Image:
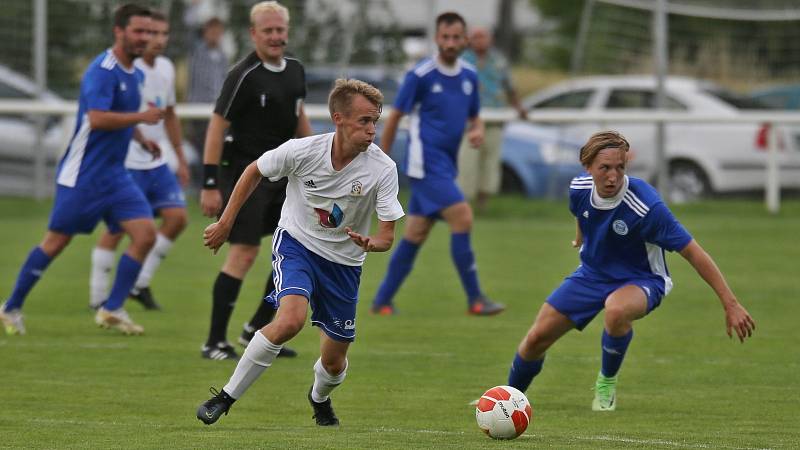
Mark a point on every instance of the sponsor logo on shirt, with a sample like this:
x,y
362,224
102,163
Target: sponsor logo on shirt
x,y
620,227
330,219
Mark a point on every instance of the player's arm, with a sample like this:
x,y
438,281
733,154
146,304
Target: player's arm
x,y
381,241
303,124
172,126
736,317
216,233
390,130
210,197
578,236
112,120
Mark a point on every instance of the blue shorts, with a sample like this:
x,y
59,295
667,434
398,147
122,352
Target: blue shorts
x,y
331,288
430,196
581,299
160,187
79,209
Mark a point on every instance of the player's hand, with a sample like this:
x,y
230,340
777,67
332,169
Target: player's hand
x,y
365,242
577,242
152,147
210,202
738,319
153,115
475,137
183,173
215,235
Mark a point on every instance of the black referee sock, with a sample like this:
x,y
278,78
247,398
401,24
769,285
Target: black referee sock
x,y
265,312
226,290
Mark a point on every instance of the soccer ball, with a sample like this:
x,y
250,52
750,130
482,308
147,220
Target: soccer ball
x,y
503,412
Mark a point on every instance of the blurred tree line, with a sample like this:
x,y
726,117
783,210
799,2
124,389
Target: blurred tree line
x,y
78,30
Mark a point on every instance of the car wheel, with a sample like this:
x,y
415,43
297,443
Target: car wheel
x,y
687,183
511,182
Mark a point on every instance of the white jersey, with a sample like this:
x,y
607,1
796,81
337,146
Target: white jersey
x,y
158,90
321,201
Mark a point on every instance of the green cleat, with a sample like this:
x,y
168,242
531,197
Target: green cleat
x,y
605,393
12,321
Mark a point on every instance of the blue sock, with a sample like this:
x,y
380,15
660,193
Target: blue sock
x,y
614,349
464,259
29,274
127,272
399,267
522,372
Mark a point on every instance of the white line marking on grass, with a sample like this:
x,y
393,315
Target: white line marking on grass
x,y
662,442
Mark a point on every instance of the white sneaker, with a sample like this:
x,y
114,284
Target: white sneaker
x,y
118,319
12,321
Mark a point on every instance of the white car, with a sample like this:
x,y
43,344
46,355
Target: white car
x,y
702,157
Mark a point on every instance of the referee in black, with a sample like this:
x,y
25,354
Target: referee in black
x,y
261,107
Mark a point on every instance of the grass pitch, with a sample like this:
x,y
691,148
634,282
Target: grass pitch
x,y
684,384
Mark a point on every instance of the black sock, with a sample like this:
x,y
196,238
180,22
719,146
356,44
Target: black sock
x,y
226,290
265,312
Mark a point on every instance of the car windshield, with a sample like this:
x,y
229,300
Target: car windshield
x,y
737,101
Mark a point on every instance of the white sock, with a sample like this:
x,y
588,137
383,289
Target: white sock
x,y
257,357
153,260
325,383
102,263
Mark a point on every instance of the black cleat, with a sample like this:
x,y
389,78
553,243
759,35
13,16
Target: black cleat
x,y
212,409
218,351
247,334
145,297
323,412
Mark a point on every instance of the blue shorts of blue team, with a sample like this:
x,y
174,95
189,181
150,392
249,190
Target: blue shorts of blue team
x,y
580,299
79,209
429,196
331,288
160,186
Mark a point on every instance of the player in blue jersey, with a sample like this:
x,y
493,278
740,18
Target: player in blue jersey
x,y
441,96
623,229
92,182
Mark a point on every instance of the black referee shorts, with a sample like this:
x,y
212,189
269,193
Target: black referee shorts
x,y
260,213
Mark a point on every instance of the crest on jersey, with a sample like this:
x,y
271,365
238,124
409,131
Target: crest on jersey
x,y
466,85
332,218
357,188
620,227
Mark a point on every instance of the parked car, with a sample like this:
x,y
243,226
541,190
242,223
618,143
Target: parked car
x,y
703,158
779,97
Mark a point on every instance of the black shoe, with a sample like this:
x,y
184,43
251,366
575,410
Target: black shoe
x,y
247,334
218,351
212,409
323,412
145,297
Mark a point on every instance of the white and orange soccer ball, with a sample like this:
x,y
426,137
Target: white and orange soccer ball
x,y
503,412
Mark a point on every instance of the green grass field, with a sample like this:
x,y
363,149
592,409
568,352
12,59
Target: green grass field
x,y
69,384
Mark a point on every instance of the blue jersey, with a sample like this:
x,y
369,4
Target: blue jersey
x,y
624,238
95,156
439,101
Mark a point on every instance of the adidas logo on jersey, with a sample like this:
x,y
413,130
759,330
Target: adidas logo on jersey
x,y
436,88
310,184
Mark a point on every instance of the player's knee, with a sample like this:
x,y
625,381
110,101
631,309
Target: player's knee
x,y
617,317
334,365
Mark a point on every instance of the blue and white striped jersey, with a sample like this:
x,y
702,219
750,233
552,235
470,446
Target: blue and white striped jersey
x,y
439,100
97,155
624,237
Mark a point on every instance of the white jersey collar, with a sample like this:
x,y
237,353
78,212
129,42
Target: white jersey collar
x,y
450,71
273,67
608,203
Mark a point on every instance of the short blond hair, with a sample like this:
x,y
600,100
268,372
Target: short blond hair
x,y
270,6
341,97
601,141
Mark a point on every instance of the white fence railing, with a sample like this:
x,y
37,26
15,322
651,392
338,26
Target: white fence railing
x,y
489,115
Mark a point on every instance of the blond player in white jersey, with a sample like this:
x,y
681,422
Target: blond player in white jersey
x,y
153,175
335,182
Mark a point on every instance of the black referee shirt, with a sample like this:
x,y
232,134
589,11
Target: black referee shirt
x,y
261,105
